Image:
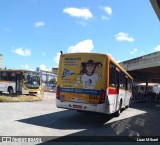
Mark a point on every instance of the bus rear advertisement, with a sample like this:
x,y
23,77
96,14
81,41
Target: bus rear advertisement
x,y
92,82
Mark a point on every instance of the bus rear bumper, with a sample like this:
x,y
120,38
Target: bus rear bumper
x,y
99,108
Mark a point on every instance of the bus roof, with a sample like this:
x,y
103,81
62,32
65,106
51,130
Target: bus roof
x,y
81,53
107,55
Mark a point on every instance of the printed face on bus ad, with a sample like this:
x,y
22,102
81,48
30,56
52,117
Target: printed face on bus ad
x,y
98,67
90,67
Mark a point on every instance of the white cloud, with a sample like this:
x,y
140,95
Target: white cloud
x,y
108,13
134,51
22,52
83,46
108,10
39,24
83,23
121,36
157,48
56,58
79,12
26,67
43,67
105,18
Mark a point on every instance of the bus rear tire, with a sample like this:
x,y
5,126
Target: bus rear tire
x,y
118,112
10,90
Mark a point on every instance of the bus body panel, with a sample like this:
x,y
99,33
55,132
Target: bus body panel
x,y
73,90
108,107
129,96
100,108
27,91
112,99
121,96
5,86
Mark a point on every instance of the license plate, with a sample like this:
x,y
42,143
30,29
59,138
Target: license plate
x,y
77,106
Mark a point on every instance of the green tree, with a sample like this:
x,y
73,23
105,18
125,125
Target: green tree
x,y
53,81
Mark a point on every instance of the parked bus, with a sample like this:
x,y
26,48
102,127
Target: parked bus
x,y
48,80
20,81
156,88
92,82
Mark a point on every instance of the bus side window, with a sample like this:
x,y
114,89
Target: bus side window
x,y
126,83
122,80
112,75
0,75
4,76
117,78
11,76
129,84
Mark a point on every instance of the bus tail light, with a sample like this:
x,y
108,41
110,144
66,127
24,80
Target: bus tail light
x,y
58,92
102,97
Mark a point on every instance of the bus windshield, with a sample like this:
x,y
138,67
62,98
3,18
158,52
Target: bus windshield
x,y
31,80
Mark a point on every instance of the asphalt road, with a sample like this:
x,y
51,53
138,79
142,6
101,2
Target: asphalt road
x,y
42,118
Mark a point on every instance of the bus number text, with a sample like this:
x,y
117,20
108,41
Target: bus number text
x,y
93,97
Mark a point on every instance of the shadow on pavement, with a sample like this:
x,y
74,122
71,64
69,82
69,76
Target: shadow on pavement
x,y
145,124
68,119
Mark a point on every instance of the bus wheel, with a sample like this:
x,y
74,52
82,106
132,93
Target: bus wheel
x,y
10,90
118,112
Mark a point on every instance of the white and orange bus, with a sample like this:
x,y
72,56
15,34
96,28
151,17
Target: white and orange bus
x,y
20,81
92,82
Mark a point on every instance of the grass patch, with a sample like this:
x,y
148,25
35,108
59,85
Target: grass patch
x,y
20,98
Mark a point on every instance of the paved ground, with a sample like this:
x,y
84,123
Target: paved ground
x,y
44,119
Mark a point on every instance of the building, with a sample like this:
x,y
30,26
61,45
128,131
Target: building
x,y
156,7
55,70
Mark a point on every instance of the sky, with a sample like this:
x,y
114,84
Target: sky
x,y
33,32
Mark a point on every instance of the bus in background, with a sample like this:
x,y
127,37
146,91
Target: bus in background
x,y
156,88
20,81
48,80
92,82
